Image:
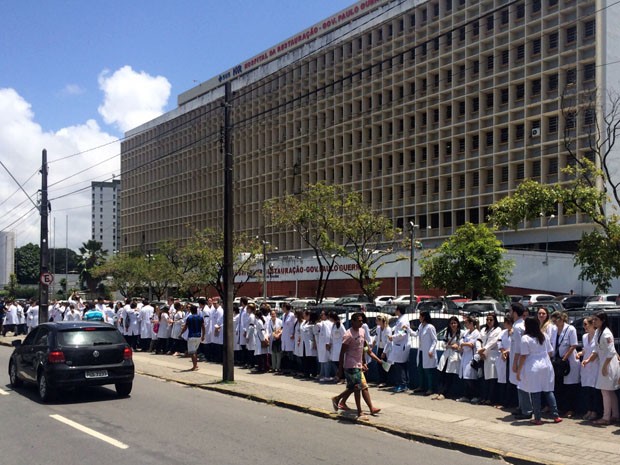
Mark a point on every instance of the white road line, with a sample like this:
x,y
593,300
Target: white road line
x,y
92,432
3,393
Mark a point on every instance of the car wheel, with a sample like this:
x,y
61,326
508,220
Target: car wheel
x,y
13,378
123,389
46,392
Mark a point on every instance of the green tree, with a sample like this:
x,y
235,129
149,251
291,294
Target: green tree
x,y
204,256
312,214
92,256
60,258
470,262
124,272
370,241
27,263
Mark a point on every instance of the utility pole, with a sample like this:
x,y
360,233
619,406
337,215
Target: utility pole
x,y
228,366
44,257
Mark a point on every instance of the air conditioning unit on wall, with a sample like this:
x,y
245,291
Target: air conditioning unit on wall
x,y
535,132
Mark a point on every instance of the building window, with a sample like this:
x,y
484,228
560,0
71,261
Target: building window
x,y
553,41
504,96
475,141
536,6
571,120
589,28
475,104
475,28
504,174
553,166
489,137
536,87
490,100
520,11
475,180
553,124
520,132
536,169
589,72
505,15
571,76
503,135
490,62
505,57
588,117
520,51
490,22
489,177
520,91
476,67
571,34
461,108
536,47
552,82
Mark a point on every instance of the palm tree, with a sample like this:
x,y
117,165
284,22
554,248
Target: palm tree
x,y
91,256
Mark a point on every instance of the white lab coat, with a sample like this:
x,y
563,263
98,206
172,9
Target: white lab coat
x,y
518,328
32,317
11,318
323,331
308,339
260,336
273,326
288,332
401,345
251,333
567,338
336,337
450,356
217,324
501,365
427,343
467,354
146,323
490,339
590,371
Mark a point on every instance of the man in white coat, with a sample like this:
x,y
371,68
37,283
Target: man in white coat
x,y
399,354
10,319
288,339
32,315
519,313
244,319
217,324
145,318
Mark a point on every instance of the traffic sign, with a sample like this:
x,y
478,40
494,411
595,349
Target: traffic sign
x,y
46,278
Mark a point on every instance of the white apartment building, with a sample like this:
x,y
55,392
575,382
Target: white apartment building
x,y
433,110
105,203
7,256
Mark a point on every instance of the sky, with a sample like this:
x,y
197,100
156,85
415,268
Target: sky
x,y
75,75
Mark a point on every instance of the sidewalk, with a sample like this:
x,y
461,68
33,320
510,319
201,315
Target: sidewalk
x,y
472,429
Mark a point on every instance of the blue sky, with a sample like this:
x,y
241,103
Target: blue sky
x,y
75,75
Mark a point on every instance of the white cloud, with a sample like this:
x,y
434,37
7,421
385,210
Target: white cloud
x,y
132,98
21,143
73,89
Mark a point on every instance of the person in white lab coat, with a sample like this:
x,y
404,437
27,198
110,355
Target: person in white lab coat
x,y
399,354
382,345
506,391
323,332
426,357
217,325
470,343
32,315
450,361
275,341
261,346
592,397
178,345
335,340
289,320
308,340
146,325
489,353
72,313
10,318
131,323
566,387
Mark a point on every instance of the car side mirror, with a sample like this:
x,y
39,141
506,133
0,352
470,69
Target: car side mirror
x,y
16,343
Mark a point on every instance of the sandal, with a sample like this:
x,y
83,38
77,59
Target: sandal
x,y
601,422
342,406
374,411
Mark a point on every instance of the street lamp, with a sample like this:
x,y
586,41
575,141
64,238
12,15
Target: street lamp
x,y
546,261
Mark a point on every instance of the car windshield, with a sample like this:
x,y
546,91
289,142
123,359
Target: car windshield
x,y
478,307
90,337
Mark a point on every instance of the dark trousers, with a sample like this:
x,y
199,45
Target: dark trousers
x,y
132,341
383,375
161,346
489,390
145,344
566,396
446,382
262,362
310,366
402,373
218,353
7,328
593,400
472,388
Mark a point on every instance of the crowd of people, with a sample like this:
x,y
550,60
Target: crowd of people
x,y
533,362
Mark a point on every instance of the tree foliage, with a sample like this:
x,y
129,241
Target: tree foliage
x,y
92,256
336,224
470,262
27,264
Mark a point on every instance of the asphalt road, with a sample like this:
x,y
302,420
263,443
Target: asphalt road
x,y
167,423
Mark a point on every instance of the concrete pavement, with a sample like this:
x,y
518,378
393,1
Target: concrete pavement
x,y
476,429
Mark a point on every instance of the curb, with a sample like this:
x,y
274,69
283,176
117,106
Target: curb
x,y
437,441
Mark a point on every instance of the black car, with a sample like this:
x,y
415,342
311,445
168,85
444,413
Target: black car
x,y
571,302
72,354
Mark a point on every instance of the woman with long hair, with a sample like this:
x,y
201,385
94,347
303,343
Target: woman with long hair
x,y
609,368
426,358
382,344
470,343
566,387
275,341
489,353
308,340
335,340
535,374
450,361
589,372
261,345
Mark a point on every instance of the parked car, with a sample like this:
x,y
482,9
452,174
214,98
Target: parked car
x,y
601,301
303,303
436,306
531,298
482,307
381,300
550,305
65,355
345,299
572,301
613,320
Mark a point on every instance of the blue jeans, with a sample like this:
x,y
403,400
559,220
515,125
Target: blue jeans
x,y
525,402
550,398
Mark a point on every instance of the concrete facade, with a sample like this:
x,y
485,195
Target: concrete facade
x,y
105,207
432,110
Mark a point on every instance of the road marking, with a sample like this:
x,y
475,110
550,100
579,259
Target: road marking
x,y
3,393
92,432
